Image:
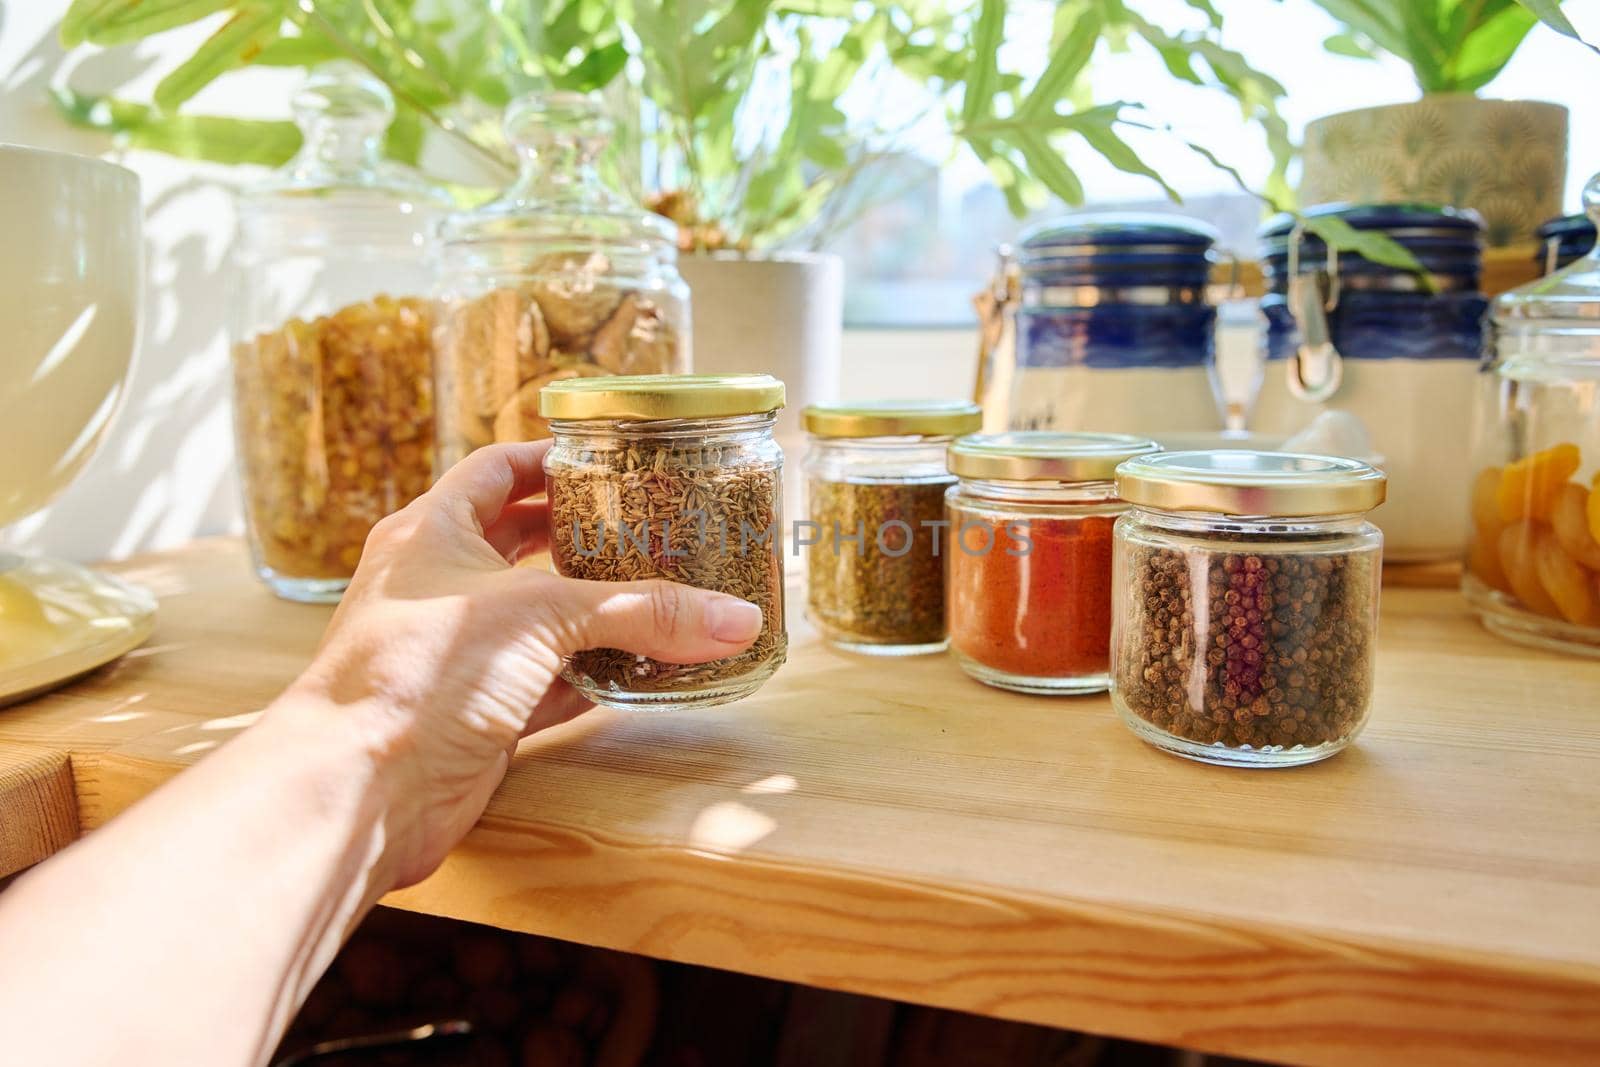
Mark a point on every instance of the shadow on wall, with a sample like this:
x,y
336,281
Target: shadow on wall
x,y
165,473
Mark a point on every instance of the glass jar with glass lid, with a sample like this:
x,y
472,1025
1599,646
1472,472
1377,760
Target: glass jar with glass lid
x,y
1029,598
332,354
1533,566
875,482
1244,625
674,477
561,277
1114,310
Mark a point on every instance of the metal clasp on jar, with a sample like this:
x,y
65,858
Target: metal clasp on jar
x,y
1316,369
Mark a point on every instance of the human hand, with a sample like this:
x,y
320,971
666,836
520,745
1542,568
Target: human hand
x,y
442,655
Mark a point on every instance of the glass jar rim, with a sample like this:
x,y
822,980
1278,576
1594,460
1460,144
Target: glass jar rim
x,y
651,397
1045,456
893,418
1252,483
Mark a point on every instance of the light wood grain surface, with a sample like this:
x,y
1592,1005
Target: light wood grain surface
x,y
1430,896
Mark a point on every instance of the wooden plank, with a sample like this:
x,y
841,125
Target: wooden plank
x,y
38,810
1432,895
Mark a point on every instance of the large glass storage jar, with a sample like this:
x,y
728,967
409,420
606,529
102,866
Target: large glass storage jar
x,y
1400,352
1245,619
561,277
1533,568
332,354
1114,331
1029,597
875,480
675,477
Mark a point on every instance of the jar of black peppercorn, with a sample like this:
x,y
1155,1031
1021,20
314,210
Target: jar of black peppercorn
x,y
1245,603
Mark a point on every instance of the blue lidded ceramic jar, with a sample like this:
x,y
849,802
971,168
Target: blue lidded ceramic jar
x,y
1113,313
1347,334
1564,240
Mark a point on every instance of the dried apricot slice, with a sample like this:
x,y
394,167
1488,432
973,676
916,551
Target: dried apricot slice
x,y
1569,519
1483,561
1592,509
1486,503
1565,580
1528,487
1517,550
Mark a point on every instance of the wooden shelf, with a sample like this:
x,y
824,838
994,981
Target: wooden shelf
x,y
893,828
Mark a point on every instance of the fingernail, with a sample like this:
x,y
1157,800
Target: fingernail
x,y
733,620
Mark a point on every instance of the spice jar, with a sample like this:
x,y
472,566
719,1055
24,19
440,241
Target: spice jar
x,y
675,477
1398,351
1113,309
561,277
332,359
1533,567
1246,609
1029,599
875,483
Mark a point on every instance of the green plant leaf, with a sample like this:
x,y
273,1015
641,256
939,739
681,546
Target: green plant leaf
x,y
983,73
1104,140
206,137
1549,12
1209,10
404,137
1348,44
1067,62
1484,47
235,42
1368,244
121,21
301,50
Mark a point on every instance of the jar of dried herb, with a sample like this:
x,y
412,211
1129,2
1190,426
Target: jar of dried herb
x,y
675,477
1245,618
875,484
333,346
1029,596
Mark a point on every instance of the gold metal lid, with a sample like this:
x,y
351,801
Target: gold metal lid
x,y
1246,482
1036,456
640,397
894,418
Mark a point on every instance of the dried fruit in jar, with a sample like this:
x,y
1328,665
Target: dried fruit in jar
x,y
575,294
1518,547
1570,521
334,420
519,419
1483,561
1569,585
1529,486
1486,503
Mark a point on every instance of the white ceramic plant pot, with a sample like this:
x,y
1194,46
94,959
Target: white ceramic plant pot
x,y
1505,159
779,314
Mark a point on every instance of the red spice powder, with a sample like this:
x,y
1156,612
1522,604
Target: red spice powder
x,y
1045,612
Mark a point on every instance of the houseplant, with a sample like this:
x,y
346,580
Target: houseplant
x,y
1506,159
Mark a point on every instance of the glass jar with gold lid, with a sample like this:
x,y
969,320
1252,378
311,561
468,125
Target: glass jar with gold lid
x,y
674,477
875,483
1029,591
1244,623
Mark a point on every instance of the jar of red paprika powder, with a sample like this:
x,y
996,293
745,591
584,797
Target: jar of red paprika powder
x,y
1029,571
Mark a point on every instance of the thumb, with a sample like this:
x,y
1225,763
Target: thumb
x,y
664,620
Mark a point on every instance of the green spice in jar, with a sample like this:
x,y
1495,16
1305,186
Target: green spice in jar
x,y
876,572
876,480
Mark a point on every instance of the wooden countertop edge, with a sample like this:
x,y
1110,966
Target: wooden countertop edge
x,y
1197,982
38,805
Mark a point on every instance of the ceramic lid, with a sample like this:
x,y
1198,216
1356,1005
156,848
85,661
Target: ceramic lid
x,y
1447,241
1114,231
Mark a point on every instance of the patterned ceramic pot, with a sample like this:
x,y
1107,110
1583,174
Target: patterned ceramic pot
x,y
1505,159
